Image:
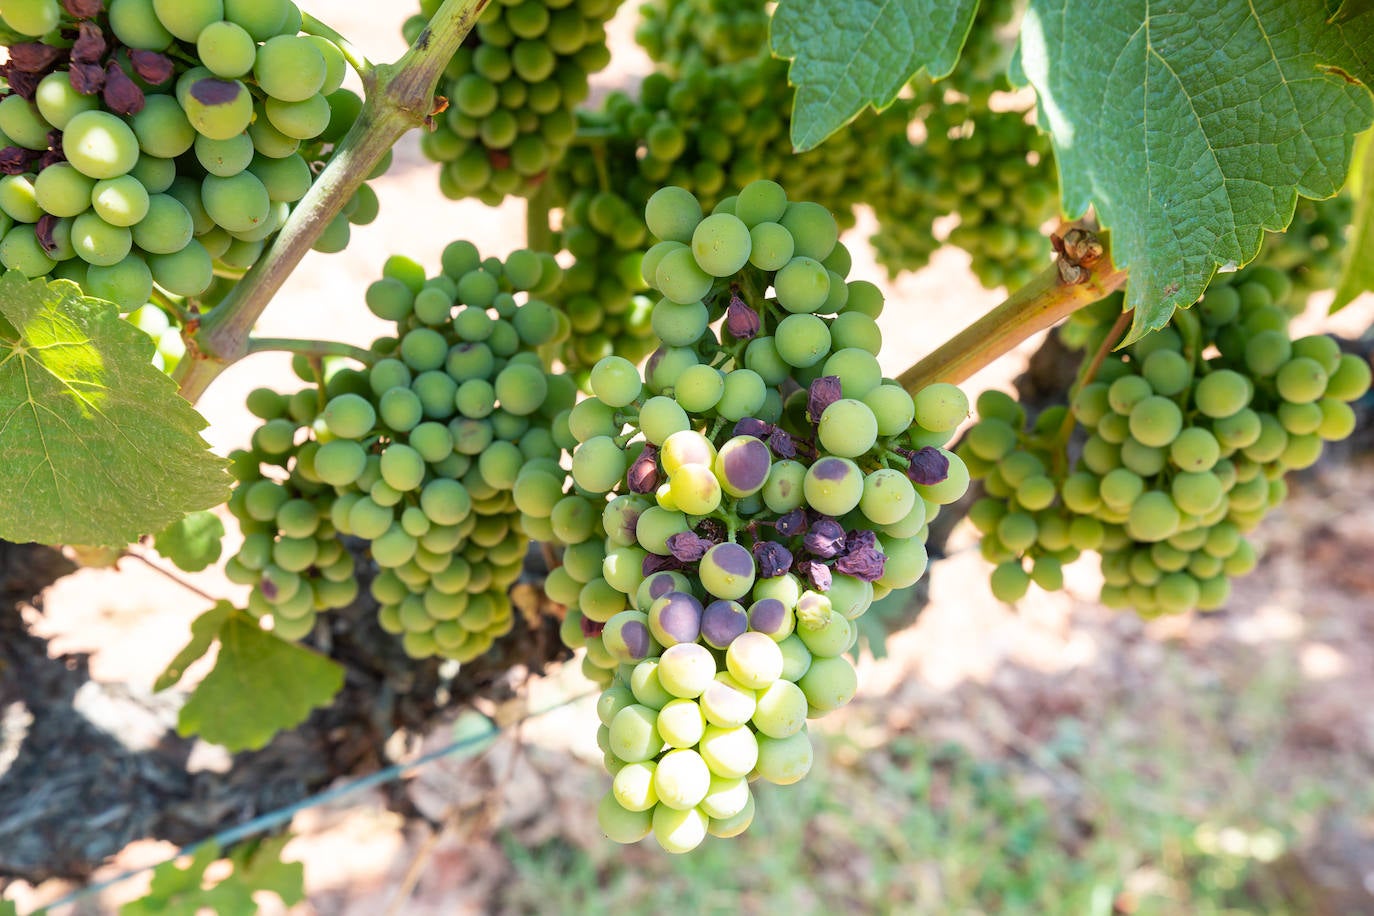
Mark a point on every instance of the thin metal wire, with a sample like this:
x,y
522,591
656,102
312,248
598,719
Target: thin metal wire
x,y
265,822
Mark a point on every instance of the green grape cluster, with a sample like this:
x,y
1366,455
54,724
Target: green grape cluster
x,y
512,88
991,168
678,34
601,288
1312,250
165,143
416,455
1189,433
710,130
735,508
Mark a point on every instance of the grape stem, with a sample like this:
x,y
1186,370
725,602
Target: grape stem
x,y
400,96
538,233
313,348
1083,275
1085,376
312,26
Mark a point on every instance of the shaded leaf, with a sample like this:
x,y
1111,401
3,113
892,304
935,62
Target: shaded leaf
x,y
204,631
260,867
1191,127
171,884
257,866
847,54
260,685
192,542
1358,275
96,446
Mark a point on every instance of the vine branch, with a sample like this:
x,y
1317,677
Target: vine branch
x,y
1083,275
315,348
399,96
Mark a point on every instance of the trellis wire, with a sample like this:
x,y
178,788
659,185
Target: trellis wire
x,y
271,819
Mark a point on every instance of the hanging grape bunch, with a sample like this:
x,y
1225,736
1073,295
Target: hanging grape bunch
x,y
1190,432
512,88
154,144
736,508
416,455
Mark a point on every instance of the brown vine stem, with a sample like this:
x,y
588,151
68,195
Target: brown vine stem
x,y
1083,275
400,96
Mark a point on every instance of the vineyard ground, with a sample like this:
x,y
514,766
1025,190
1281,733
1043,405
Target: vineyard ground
x,y
1139,738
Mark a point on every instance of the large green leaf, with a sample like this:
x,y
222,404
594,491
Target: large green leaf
x,y
847,54
1358,275
204,631
1192,126
260,685
96,446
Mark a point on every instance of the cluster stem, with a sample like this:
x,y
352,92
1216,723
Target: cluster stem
x,y
399,97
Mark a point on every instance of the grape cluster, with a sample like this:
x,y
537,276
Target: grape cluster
x,y
736,508
512,88
157,143
416,454
678,34
991,168
601,288
1312,250
1189,433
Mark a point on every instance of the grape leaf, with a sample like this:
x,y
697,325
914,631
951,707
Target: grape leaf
x,y
256,867
260,866
204,630
1358,275
850,53
260,685
1349,9
1192,126
8,908
171,885
96,446
193,541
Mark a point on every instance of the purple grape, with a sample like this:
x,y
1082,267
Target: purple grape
x,y
791,523
727,571
928,466
642,477
741,321
825,539
823,392
781,443
771,617
814,572
752,427
688,546
626,636
742,465
772,558
658,584
722,621
866,563
675,618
